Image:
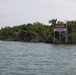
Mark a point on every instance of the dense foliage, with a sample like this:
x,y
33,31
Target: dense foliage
x,y
71,31
25,32
37,32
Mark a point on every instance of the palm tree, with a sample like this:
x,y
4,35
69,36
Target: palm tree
x,y
53,21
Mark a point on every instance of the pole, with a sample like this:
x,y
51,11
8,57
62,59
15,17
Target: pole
x,y
66,37
66,31
66,34
60,37
54,37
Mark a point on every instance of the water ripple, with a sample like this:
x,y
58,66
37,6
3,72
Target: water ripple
x,y
17,58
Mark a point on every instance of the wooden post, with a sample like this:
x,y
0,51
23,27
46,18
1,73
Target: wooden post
x,y
66,37
66,34
54,37
60,37
66,31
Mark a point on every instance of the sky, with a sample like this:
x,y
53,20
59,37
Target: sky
x,y
17,12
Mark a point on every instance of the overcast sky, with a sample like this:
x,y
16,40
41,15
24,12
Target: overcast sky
x,y
16,12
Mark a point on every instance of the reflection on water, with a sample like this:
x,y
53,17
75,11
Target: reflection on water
x,y
18,58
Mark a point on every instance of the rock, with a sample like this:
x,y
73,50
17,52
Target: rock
x,y
50,40
37,39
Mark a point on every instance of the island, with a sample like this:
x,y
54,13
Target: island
x,y
39,32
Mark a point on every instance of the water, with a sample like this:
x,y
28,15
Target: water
x,y
20,58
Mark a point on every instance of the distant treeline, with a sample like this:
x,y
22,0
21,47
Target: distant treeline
x,y
37,32
26,32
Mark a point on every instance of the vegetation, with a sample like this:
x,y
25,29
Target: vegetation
x,y
25,32
38,32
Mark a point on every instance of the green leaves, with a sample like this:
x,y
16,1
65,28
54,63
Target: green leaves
x,y
26,32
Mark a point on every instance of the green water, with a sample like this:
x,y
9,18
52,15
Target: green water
x,y
20,58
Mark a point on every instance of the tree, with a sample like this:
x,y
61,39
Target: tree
x,y
53,21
